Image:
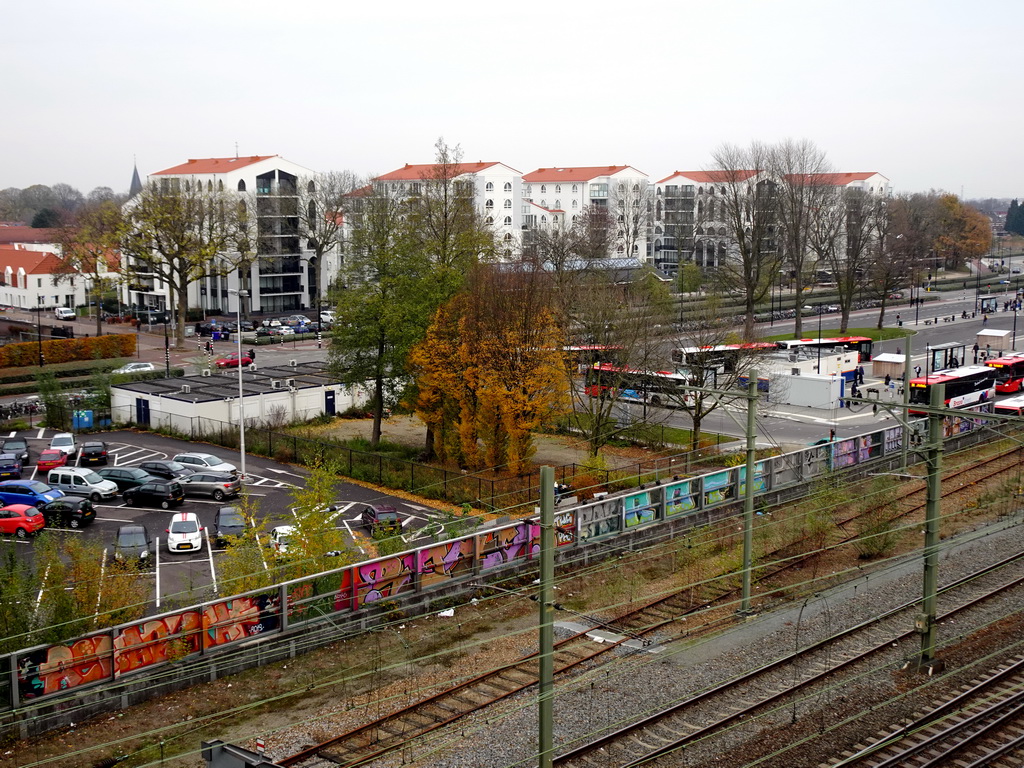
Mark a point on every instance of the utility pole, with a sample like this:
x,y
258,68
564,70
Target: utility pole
x,y
546,708
748,498
906,405
925,623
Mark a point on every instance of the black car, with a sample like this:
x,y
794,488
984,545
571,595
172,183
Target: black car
x,y
263,331
382,517
125,477
18,446
228,522
165,469
93,452
161,493
132,544
69,512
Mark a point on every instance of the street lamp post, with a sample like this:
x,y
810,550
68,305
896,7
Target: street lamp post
x,y
39,328
241,294
819,338
167,349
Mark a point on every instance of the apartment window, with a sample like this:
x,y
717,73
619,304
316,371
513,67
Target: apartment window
x,y
575,188
529,189
543,189
489,204
508,237
508,221
558,189
508,204
241,185
39,282
575,203
543,203
543,220
558,205
489,187
508,186
489,220
636,189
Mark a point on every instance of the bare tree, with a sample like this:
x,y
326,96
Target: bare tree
x,y
801,170
631,207
749,201
88,244
322,217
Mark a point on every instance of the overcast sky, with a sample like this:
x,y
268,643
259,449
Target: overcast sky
x,y
925,92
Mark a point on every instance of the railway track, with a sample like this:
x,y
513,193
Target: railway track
x,y
394,731
699,718
983,726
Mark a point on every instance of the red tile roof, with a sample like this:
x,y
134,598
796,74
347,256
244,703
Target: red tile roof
x,y
33,262
212,165
23,234
573,174
427,171
832,179
714,177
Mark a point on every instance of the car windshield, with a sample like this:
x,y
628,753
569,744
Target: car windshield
x,y
62,441
133,538
173,466
231,518
137,473
92,477
184,526
38,487
15,444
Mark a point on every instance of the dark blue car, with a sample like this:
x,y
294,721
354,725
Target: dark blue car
x,y
31,492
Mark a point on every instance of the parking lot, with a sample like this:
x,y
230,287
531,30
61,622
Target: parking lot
x,y
186,577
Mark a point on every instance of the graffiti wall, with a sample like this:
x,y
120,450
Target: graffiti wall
x,y
598,520
239,618
63,667
446,561
506,545
320,595
760,479
565,528
639,509
154,641
384,579
679,499
718,487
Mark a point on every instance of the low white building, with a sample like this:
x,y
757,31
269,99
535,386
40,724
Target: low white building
x,y
30,278
197,405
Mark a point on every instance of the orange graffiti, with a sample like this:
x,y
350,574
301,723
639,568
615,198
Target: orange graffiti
x,y
85,661
144,644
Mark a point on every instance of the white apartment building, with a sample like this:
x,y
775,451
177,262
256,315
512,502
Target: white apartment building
x,y
30,277
281,278
620,189
496,189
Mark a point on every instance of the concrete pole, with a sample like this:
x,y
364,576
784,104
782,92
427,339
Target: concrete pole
x,y
906,405
546,708
926,620
748,498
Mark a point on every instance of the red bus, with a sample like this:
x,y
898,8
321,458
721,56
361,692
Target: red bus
x,y
965,386
862,345
1009,373
1011,405
654,387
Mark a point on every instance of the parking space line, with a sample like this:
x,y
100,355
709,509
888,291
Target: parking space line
x,y
213,568
114,520
42,433
261,481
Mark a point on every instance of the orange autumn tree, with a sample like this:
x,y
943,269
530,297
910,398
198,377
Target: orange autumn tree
x,y
489,372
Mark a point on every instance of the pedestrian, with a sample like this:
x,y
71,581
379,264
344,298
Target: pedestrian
x,y
954,363
984,320
976,348
917,371
898,321
988,351
888,379
860,374
854,392
899,350
252,355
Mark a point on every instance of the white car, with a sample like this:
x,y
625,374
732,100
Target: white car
x,y
279,538
185,533
204,461
65,443
135,368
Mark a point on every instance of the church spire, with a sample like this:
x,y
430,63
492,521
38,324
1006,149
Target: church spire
x,y
136,185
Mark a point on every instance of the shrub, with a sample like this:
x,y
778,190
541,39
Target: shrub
x,y
67,350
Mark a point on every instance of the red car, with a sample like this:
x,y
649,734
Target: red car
x,y
20,520
51,458
231,361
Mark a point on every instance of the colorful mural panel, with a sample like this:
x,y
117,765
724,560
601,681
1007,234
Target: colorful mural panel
x,y
445,561
151,642
565,528
239,618
384,579
718,487
760,481
679,499
638,509
63,667
506,545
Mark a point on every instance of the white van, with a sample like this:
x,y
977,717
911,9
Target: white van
x,y
81,482
64,313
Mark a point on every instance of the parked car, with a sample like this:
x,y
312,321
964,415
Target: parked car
x,y
327,316
198,461
135,368
65,441
228,522
10,465
284,330
31,492
93,452
68,512
19,447
231,361
20,520
165,469
132,544
125,477
293,320
51,458
263,331
272,322
218,485
79,481
185,534
382,517
162,493
280,538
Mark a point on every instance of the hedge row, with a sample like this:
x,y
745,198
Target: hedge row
x,y
62,370
66,350
83,382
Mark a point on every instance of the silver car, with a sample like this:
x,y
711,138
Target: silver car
x,y
217,485
204,461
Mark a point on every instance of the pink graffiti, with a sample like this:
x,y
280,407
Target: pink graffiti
x,y
384,579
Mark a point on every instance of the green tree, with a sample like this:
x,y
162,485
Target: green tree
x,y
46,218
385,302
1015,218
88,245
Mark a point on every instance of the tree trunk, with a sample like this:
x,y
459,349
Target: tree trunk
x,y
99,314
182,316
378,409
844,321
798,285
749,327
881,315
695,432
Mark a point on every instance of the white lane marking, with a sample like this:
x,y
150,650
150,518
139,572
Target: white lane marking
x,y
42,432
13,434
418,509
261,481
114,520
209,550
283,472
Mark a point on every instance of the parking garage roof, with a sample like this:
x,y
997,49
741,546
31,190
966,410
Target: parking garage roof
x,y
223,384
